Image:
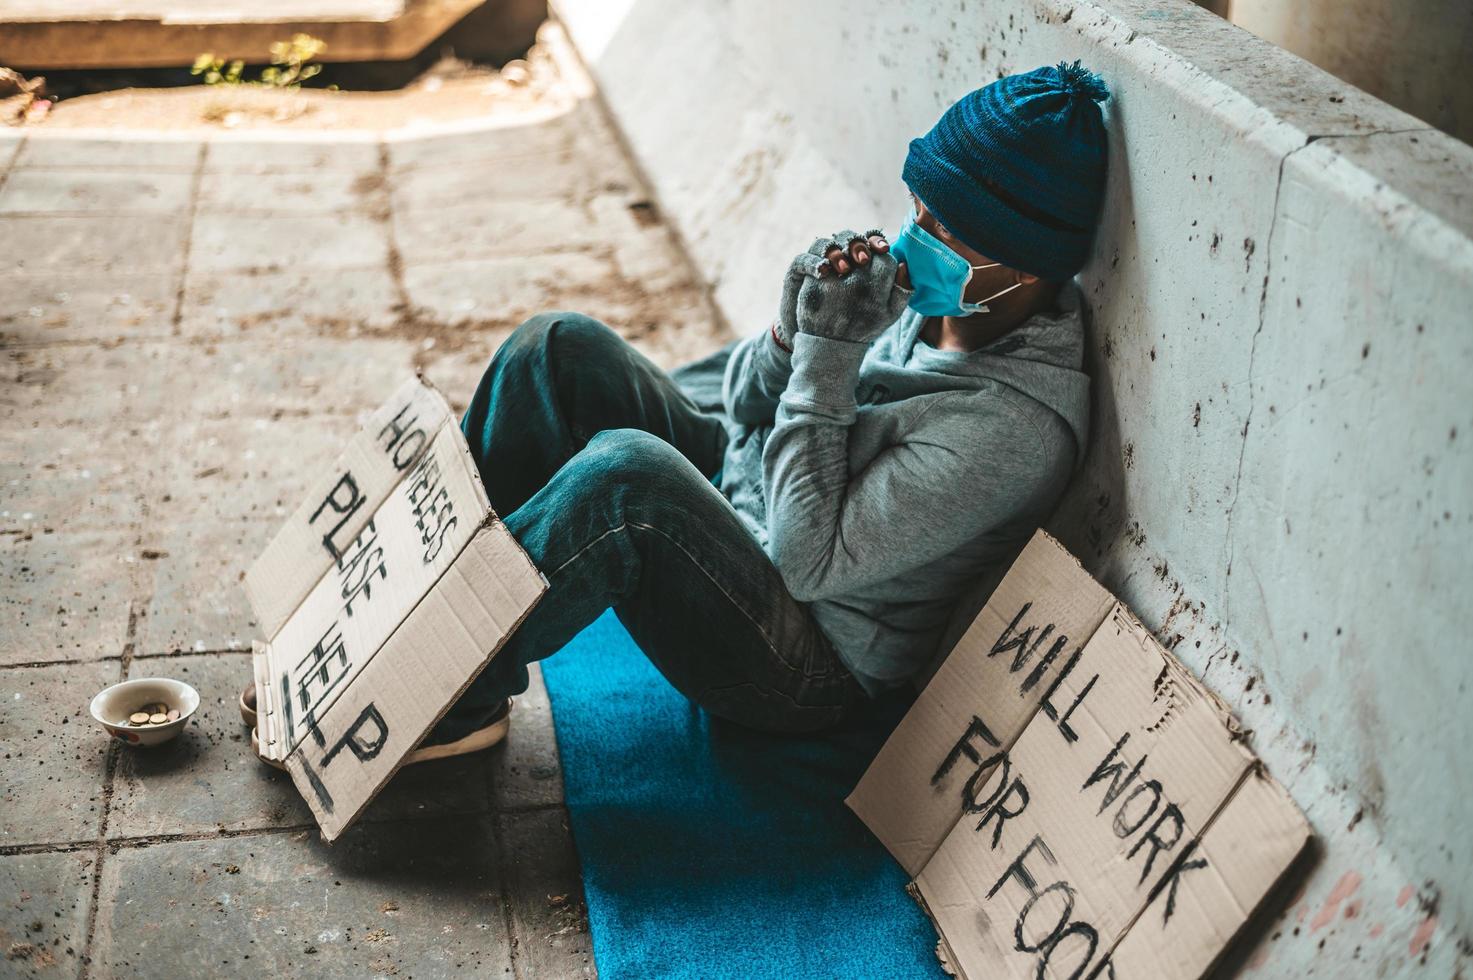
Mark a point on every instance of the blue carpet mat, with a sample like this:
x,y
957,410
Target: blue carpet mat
x,y
710,850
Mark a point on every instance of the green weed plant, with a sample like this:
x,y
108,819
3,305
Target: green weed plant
x,y
288,70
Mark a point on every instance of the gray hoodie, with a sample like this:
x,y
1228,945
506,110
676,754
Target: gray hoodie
x,y
884,479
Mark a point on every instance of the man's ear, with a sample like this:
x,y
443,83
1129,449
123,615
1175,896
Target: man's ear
x,y
1027,278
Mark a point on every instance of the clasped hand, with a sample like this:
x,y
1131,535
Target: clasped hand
x,y
844,288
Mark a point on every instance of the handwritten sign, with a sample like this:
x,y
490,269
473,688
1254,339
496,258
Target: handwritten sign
x,y
1065,793
387,591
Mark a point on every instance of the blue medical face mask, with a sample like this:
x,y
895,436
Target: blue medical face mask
x,y
938,275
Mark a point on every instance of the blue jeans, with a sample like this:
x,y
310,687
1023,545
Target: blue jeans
x,y
601,468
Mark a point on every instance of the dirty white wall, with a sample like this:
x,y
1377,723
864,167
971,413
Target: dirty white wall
x,y
1414,54
1280,476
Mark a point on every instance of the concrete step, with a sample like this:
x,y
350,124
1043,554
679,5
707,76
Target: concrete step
x,y
41,35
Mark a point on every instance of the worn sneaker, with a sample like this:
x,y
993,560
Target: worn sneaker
x,y
490,733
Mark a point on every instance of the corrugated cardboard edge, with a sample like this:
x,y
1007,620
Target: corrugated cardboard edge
x,y
265,694
1306,834
491,520
1175,671
944,955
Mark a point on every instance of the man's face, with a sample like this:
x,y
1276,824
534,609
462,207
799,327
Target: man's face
x,y
928,221
984,282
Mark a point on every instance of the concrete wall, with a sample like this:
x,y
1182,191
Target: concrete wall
x,y
1282,347
1414,54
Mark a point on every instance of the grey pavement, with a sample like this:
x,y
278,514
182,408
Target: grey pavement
x,y
190,325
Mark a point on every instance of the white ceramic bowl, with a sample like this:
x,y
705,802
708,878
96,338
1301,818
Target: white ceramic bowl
x,y
113,705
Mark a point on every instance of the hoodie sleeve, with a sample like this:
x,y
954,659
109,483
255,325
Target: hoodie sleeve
x,y
968,464
756,375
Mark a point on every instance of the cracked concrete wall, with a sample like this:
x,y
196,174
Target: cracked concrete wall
x,y
1280,470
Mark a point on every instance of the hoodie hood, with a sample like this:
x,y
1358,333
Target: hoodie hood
x,y
1043,358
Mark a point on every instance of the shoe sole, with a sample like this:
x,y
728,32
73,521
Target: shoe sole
x,y
476,741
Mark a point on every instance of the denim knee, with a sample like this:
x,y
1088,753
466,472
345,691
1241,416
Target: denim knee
x,y
578,351
532,336
568,328
633,457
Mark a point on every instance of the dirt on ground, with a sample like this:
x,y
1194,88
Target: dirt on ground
x,y
450,89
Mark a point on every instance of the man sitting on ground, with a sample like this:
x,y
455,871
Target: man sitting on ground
x,y
912,414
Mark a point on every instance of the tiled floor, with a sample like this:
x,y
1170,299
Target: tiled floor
x,y
187,327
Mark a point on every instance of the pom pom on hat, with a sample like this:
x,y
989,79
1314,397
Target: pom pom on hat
x,y
1081,81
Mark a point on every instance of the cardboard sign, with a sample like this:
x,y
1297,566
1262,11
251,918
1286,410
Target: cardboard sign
x,y
1070,801
386,593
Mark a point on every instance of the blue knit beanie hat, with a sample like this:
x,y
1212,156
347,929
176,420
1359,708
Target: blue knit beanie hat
x,y
1016,169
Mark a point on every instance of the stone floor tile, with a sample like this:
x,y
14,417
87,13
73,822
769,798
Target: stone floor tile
x,y
56,474
197,602
289,155
528,772
206,779
66,596
319,243
86,191
112,153
549,915
123,384
411,899
303,192
53,306
489,228
249,423
96,243
54,753
512,144
10,143
54,481
643,250
43,914
343,303
282,377
248,466
505,290
310,377
557,174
